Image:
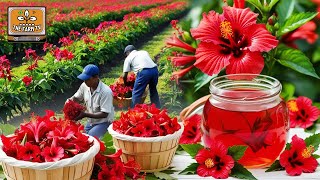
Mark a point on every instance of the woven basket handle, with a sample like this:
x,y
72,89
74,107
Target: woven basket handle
x,y
188,110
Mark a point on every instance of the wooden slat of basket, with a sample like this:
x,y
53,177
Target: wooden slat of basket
x,y
66,171
40,175
78,170
71,172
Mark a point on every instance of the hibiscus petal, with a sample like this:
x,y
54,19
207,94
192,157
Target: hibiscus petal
x,y
203,155
209,28
285,156
220,174
203,171
261,39
302,102
210,59
239,18
298,143
309,165
294,171
249,62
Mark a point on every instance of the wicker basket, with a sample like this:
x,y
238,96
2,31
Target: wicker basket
x,y
126,102
78,167
153,154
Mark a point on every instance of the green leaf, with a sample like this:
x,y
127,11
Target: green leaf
x,y
108,142
287,91
238,171
256,3
288,146
284,10
313,140
316,156
296,60
161,175
237,152
295,21
312,129
202,79
192,149
7,129
272,3
275,167
316,55
169,171
191,169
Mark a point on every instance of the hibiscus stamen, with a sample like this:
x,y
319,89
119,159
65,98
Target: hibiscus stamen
x,y
292,105
209,163
226,29
307,152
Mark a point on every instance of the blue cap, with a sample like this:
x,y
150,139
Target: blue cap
x,y
89,71
129,48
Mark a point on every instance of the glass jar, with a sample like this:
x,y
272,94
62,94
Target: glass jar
x,y
246,109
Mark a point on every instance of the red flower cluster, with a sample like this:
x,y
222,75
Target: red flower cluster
x,y
111,167
66,41
5,71
302,113
146,121
192,132
72,109
27,80
298,158
123,91
46,140
214,161
62,54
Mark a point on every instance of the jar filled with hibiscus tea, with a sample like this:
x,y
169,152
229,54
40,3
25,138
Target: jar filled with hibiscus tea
x,y
246,109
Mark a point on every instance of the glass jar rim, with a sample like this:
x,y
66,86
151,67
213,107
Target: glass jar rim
x,y
241,87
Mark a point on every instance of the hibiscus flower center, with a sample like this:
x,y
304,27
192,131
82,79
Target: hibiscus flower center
x,y
232,40
307,152
293,107
226,29
209,163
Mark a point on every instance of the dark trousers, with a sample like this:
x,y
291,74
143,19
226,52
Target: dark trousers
x,y
147,76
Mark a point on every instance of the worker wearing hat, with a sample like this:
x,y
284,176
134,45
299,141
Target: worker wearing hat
x,y
146,72
98,99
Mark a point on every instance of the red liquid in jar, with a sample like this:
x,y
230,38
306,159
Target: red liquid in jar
x,y
264,131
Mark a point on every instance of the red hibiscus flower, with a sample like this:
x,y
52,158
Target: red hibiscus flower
x,y
302,113
107,173
307,32
192,132
233,40
29,152
298,158
27,80
146,121
53,153
72,109
214,161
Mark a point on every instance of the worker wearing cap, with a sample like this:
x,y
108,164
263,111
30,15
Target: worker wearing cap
x,y
146,72
98,99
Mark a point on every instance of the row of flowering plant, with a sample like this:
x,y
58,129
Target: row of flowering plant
x,y
46,139
121,90
57,71
146,121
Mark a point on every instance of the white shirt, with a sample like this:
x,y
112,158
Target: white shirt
x,y
101,100
137,60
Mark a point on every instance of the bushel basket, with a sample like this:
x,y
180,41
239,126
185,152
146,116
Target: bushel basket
x,y
78,167
126,102
152,153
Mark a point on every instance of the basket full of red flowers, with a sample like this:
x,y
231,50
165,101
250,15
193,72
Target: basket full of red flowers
x,y
48,148
148,135
122,94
